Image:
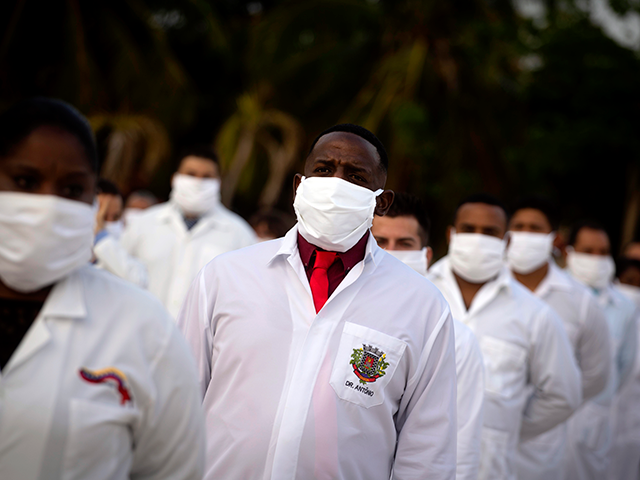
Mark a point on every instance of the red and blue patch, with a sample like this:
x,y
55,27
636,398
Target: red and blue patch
x,y
109,375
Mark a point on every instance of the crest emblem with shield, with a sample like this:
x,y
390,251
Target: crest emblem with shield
x,y
368,363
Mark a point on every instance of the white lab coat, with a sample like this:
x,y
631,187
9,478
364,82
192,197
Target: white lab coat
x,y
172,255
55,424
532,382
625,451
542,457
282,399
590,429
470,404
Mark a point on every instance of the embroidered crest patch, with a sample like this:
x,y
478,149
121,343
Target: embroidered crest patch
x,y
109,375
368,363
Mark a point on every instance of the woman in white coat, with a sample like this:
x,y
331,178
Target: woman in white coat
x,y
96,382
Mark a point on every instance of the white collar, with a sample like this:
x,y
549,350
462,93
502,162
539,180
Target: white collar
x,y
66,299
289,247
555,279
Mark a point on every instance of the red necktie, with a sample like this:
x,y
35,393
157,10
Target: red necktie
x,y
319,282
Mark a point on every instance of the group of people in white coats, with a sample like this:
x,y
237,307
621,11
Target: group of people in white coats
x,y
560,382
334,352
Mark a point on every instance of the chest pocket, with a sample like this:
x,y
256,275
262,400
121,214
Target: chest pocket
x,y
364,365
505,366
99,441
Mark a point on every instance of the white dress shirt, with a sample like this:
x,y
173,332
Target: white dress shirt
x,y
625,451
171,254
590,429
281,393
102,387
532,382
542,457
470,404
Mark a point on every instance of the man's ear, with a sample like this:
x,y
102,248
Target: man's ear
x,y
383,202
297,178
429,256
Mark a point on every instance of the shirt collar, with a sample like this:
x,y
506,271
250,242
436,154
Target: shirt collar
x,y
349,258
366,248
66,299
556,279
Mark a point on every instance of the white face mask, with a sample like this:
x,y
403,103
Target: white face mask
x,y
475,257
529,251
332,213
131,214
195,196
416,259
595,271
631,292
44,238
114,229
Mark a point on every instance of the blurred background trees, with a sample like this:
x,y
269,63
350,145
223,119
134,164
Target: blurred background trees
x,y
504,97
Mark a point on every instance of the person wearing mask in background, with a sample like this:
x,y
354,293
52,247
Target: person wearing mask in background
x,y
625,452
532,382
174,240
589,440
137,202
271,224
404,233
320,355
108,253
531,236
96,381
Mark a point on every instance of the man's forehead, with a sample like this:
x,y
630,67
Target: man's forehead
x,y
404,225
344,144
588,234
481,212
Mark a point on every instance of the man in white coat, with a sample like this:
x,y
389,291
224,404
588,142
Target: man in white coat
x,y
96,381
532,382
404,233
531,234
174,240
321,356
590,429
625,454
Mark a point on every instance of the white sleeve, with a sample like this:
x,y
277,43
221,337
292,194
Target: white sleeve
x,y
427,425
194,321
470,373
628,346
114,258
170,442
554,375
594,349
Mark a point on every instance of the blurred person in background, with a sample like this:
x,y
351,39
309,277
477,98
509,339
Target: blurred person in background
x,y
174,240
320,355
532,382
625,454
532,232
404,233
590,429
271,224
110,208
96,381
137,202
632,250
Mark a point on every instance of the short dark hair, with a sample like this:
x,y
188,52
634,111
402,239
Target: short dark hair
x,y
407,205
542,204
19,121
362,133
623,264
201,150
108,187
586,223
482,198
